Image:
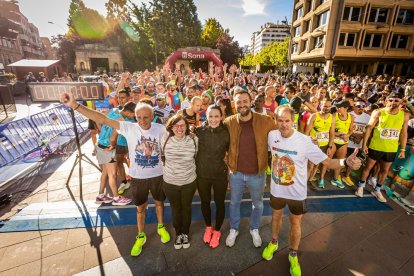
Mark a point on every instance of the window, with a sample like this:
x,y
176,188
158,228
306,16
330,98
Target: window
x,y
351,14
373,40
378,15
294,48
305,45
405,17
82,66
347,39
399,41
299,13
306,26
319,41
116,67
323,19
297,31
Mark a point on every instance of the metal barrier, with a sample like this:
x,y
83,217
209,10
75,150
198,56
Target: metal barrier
x,y
21,137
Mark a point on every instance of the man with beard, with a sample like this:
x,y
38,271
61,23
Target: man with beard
x,y
247,161
389,126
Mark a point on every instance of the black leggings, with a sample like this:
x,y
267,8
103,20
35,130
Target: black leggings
x,y
180,198
204,190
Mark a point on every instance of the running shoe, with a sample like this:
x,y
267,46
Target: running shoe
x,y
294,266
321,184
348,181
372,181
207,234
178,244
103,199
137,248
123,187
121,201
359,192
231,238
215,239
379,196
337,182
162,231
186,241
268,171
257,240
269,251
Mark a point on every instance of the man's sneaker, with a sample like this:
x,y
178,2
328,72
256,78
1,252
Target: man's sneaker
x,y
137,248
337,182
186,241
165,236
268,171
321,184
215,239
231,238
121,201
379,196
372,181
294,266
103,199
178,242
207,234
123,187
359,192
257,240
348,181
269,251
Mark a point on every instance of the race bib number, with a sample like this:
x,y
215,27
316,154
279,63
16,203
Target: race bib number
x,y
339,140
390,134
322,137
359,129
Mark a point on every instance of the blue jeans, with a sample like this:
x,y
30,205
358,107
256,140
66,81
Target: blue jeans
x,y
256,184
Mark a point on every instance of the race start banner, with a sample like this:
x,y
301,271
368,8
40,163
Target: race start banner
x,y
51,91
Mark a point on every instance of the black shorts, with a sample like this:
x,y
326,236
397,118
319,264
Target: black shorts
x,y
142,187
91,124
380,155
338,146
296,207
121,149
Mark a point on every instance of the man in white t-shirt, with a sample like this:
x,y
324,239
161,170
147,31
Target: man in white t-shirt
x,y
291,151
144,140
361,120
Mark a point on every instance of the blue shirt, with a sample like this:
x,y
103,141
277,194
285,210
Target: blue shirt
x,y
106,131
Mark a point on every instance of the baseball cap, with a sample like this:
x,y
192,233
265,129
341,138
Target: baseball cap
x,y
343,103
160,96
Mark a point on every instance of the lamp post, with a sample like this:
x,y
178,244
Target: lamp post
x,y
286,23
53,23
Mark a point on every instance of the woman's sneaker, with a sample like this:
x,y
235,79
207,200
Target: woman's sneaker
x,y
186,241
348,181
123,187
321,184
338,183
178,244
215,239
121,201
207,234
103,199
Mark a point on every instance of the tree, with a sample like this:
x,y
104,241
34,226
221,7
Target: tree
x,y
273,54
117,9
212,31
230,51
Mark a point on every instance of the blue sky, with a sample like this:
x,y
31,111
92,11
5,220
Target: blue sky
x,y
242,17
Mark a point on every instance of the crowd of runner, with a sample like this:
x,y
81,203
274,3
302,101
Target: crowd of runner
x,y
173,133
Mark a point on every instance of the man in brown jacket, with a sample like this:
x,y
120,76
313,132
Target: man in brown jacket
x,y
247,160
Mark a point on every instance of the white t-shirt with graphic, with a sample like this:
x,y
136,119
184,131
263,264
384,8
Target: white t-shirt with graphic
x,y
360,122
144,148
290,164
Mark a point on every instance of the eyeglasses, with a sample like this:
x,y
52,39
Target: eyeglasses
x,y
179,126
360,106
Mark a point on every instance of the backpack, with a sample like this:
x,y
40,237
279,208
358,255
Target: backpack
x,y
165,144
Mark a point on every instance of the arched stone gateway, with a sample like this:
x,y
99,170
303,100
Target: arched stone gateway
x,y
184,55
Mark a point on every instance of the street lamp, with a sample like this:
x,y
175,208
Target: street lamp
x,y
53,23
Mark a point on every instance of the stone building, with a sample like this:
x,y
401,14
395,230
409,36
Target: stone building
x,y
91,58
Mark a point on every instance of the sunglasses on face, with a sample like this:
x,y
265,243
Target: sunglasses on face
x,y
160,100
360,106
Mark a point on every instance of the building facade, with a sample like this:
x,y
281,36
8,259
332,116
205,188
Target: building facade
x,y
354,36
18,37
98,57
268,33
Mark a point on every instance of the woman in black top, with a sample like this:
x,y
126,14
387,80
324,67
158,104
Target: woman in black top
x,y
212,170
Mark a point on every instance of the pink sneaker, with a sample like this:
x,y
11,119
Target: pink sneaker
x,y
215,239
103,199
207,234
121,201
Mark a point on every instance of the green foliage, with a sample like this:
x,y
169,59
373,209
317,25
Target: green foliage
x,y
211,32
273,54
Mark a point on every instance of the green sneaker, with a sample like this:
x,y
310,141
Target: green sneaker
x,y
294,266
268,171
137,248
338,183
321,184
269,251
162,231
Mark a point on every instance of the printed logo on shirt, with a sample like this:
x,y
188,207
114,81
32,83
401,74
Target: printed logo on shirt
x,y
283,170
147,153
322,137
390,134
359,128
